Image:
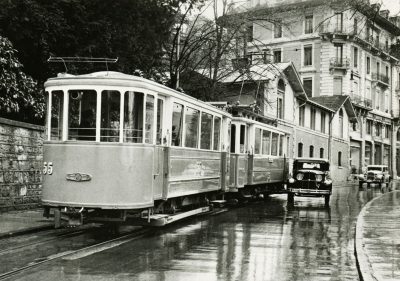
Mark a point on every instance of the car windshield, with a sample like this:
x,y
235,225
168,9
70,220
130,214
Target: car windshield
x,y
311,166
374,168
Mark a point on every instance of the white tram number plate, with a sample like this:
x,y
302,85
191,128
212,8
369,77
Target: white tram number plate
x,y
48,168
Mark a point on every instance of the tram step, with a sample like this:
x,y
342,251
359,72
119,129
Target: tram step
x,y
218,203
163,219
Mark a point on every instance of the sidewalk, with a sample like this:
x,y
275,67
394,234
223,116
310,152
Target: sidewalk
x,y
377,242
20,222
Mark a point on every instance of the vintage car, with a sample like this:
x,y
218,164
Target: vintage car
x,y
375,174
310,178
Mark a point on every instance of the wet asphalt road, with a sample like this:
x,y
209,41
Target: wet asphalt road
x,y
261,241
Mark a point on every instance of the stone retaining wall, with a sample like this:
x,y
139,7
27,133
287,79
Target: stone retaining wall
x,y
21,155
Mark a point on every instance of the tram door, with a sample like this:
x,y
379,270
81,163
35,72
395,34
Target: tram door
x,y
161,141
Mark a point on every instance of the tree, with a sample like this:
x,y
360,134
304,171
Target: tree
x,y
207,47
133,31
20,98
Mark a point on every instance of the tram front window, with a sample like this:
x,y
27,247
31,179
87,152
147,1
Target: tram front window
x,y
57,104
133,117
82,115
110,116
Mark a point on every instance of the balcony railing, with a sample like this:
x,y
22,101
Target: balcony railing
x,y
380,78
361,101
334,28
343,63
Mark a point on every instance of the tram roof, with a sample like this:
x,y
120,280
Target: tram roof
x,y
118,79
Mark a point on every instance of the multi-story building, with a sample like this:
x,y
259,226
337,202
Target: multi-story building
x,y
339,49
316,127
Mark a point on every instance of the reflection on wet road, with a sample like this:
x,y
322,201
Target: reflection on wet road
x,y
262,241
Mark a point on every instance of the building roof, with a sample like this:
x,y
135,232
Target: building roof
x,y
269,71
336,102
368,10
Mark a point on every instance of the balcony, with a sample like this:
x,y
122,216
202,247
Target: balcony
x,y
361,102
335,32
339,63
381,79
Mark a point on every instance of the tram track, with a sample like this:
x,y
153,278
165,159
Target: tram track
x,y
82,252
36,243
86,250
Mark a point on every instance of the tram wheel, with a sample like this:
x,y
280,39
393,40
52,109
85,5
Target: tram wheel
x,y
327,198
290,198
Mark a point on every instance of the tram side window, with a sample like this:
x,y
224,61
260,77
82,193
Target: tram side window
x,y
133,117
266,142
82,115
281,140
274,144
191,127
160,115
242,138
233,138
149,119
217,132
206,129
177,119
110,116
257,141
57,105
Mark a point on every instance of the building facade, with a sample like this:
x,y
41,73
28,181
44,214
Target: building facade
x,y
340,50
316,128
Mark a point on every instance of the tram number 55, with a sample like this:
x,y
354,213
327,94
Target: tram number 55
x,y
48,168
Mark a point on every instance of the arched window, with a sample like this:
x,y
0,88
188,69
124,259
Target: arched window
x,y
321,153
339,158
300,150
280,100
341,122
311,151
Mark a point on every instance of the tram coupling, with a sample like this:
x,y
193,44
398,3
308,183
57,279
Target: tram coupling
x,y
68,216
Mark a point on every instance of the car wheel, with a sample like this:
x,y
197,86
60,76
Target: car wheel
x,y
327,198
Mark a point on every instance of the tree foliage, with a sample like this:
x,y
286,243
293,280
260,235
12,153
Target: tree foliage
x,y
133,31
19,95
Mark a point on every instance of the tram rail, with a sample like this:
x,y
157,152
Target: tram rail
x,y
86,250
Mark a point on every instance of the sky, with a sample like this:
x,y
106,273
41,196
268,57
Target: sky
x,y
392,5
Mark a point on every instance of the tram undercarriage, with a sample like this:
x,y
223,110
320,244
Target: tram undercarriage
x,y
163,212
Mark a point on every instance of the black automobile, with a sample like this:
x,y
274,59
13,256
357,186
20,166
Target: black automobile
x,y
310,178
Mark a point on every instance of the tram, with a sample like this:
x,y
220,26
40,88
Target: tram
x,y
124,149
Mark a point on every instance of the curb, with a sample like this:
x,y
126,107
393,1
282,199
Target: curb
x,y
26,231
364,266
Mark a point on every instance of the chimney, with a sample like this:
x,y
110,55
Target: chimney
x,y
375,7
384,13
395,21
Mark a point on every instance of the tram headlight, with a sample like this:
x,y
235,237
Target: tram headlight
x,y
76,95
318,178
299,176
